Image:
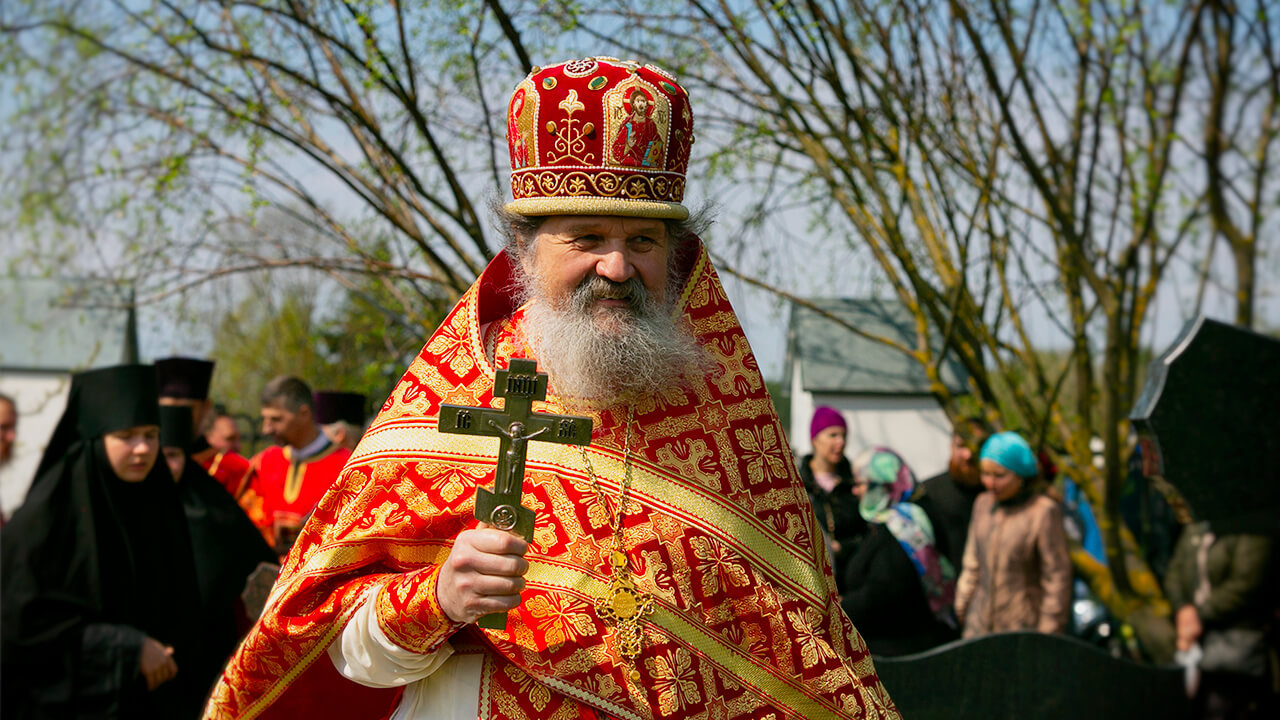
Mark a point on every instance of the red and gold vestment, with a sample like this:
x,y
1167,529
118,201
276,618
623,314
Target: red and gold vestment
x,y
281,490
746,623
230,469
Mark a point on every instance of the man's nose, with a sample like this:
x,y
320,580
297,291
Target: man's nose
x,y
615,263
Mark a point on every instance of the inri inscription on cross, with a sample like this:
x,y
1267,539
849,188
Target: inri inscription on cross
x,y
515,425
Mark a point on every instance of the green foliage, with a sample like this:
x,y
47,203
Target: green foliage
x,y
291,329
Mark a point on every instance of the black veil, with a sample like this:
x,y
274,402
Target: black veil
x,y
91,564
227,546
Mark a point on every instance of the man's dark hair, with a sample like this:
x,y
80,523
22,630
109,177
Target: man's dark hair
x,y
290,392
974,430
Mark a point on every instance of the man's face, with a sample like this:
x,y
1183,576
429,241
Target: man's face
x,y
284,426
224,436
963,465
600,314
571,250
8,430
639,104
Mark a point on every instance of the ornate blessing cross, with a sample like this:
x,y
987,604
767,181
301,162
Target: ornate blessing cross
x,y
515,425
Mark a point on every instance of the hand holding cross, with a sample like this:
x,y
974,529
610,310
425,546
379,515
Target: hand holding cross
x,y
515,425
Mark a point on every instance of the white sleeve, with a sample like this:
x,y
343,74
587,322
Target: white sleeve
x,y
364,654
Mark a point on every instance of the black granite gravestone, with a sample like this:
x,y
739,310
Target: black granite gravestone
x,y
1030,675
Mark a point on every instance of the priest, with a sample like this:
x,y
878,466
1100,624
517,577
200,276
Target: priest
x,y
289,478
675,569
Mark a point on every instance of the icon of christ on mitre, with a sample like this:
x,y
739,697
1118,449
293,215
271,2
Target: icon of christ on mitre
x,y
673,567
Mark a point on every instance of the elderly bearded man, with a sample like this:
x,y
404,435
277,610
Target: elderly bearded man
x,y
687,493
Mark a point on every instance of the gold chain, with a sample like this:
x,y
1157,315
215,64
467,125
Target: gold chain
x,y
616,517
623,604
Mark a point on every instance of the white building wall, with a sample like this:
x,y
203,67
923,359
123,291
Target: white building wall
x,y
914,426
41,398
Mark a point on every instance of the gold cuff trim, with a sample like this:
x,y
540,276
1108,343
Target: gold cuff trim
x,y
409,612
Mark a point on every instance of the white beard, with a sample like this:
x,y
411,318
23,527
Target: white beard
x,y
610,354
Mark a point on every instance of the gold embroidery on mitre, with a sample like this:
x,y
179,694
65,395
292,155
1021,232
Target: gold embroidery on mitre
x,y
521,131
570,137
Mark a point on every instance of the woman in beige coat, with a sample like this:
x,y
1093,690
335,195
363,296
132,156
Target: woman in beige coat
x,y
1016,573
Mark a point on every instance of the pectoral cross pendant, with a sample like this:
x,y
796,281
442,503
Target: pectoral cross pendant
x,y
622,607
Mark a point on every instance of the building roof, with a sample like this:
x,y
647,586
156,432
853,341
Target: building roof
x,y
834,360
63,325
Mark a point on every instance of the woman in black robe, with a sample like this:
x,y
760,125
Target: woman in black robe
x,y
226,544
99,597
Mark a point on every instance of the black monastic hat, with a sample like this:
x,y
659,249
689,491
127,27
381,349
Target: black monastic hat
x,y
184,378
103,401
330,406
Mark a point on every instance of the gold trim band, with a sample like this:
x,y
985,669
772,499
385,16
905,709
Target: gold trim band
x,y
583,205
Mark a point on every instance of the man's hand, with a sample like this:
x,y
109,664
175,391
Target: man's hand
x,y
1187,622
483,574
156,664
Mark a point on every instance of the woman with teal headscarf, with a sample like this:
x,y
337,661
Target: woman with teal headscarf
x,y
1016,573
901,586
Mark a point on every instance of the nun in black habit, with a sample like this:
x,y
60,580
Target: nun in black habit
x,y
99,599
226,544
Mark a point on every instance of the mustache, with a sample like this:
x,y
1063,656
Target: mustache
x,y
594,288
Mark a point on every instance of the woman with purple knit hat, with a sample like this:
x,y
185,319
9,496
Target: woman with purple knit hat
x,y
828,478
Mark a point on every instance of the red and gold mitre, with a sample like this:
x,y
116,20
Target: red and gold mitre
x,y
599,136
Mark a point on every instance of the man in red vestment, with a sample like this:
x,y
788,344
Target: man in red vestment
x,y
184,382
675,568
288,479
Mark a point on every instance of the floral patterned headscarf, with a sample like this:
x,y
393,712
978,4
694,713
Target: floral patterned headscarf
x,y
890,484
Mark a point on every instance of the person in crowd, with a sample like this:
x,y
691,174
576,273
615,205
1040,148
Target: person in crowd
x,y
226,545
289,478
223,434
828,479
8,436
1222,600
900,587
8,428
674,567
948,497
184,382
98,586
341,416
1016,573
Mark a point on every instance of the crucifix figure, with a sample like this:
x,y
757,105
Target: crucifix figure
x,y
514,426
